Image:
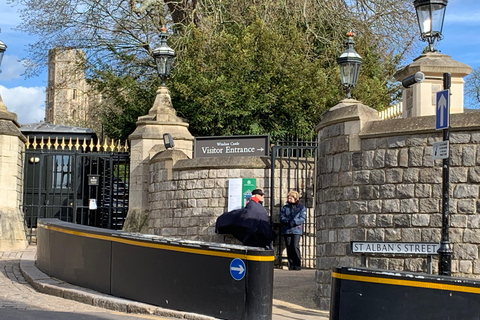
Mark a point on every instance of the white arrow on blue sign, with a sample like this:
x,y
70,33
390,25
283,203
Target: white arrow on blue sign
x,y
237,269
442,110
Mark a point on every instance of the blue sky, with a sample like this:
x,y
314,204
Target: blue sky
x,y
26,97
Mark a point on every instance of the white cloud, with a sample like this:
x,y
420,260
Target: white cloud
x,y
471,18
11,68
27,103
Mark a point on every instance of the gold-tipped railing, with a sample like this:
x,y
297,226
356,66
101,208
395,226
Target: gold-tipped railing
x,y
392,112
76,144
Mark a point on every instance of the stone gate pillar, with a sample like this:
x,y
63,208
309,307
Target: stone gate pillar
x,y
146,142
337,197
12,146
419,100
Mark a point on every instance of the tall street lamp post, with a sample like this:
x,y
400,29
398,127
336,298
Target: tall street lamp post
x,y
164,57
430,14
349,62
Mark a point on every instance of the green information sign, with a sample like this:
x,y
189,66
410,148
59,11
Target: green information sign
x,y
239,192
248,184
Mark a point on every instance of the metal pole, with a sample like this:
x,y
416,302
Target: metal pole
x,y
445,250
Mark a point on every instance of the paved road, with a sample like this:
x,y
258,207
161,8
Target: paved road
x,y
293,296
37,314
19,300
295,287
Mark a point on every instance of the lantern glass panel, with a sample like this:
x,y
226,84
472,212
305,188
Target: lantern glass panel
x,y
161,65
346,71
349,73
169,64
430,18
438,14
356,72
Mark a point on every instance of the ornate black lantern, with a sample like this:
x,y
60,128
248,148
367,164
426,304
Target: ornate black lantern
x,y
3,47
349,62
430,15
164,57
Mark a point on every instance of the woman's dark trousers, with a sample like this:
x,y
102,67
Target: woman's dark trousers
x,y
292,243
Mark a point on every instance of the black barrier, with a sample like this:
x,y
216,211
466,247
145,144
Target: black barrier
x,y
361,293
220,280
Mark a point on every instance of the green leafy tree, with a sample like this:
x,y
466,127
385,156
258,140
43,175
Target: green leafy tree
x,y
243,67
126,99
252,81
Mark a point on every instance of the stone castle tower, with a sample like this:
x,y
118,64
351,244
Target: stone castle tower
x,y
68,98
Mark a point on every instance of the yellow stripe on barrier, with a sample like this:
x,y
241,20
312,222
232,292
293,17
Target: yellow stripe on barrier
x,y
162,246
406,283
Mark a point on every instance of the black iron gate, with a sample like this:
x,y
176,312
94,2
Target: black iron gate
x,y
64,181
293,168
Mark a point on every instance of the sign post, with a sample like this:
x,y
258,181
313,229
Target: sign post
x,y
442,123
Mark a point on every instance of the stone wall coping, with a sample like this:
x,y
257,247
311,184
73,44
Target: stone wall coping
x,y
347,110
182,162
170,154
155,129
7,115
418,125
10,127
223,163
434,63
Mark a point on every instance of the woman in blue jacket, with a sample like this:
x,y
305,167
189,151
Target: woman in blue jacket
x,y
292,216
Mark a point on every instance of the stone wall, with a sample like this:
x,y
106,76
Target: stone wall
x,y
377,181
186,196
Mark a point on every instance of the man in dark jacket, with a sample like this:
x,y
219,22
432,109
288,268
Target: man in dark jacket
x,y
256,217
250,225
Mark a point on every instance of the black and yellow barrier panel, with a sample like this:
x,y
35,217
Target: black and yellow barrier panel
x,y
219,280
373,294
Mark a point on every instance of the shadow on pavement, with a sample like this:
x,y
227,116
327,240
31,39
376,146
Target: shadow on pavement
x,y
295,287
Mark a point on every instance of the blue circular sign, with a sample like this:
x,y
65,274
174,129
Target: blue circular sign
x,y
237,269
